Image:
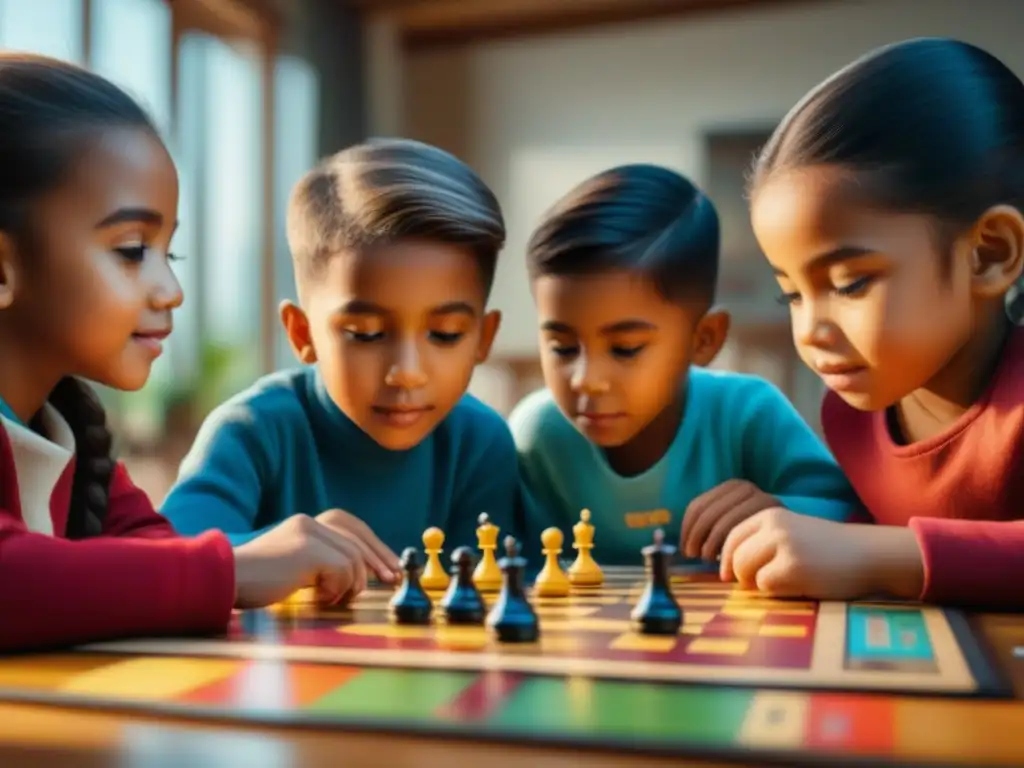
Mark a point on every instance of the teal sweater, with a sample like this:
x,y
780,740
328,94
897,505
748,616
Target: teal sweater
x,y
283,447
734,426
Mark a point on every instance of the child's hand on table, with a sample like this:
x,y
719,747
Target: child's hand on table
x,y
791,555
710,517
376,554
298,553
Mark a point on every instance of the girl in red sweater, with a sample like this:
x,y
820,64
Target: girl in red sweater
x,y
889,204
88,205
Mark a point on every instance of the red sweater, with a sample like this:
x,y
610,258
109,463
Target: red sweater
x,y
138,578
962,492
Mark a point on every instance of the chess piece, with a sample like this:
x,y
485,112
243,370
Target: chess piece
x,y
584,572
552,581
462,603
512,618
487,575
410,604
434,577
657,612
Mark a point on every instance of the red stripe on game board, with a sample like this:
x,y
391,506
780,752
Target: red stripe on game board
x,y
856,723
276,685
481,699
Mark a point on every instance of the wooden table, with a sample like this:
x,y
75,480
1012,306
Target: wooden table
x,y
965,731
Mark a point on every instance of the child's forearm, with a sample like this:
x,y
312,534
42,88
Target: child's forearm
x,y
896,562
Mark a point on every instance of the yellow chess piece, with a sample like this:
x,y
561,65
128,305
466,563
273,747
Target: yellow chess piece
x,y
487,576
585,572
552,581
434,577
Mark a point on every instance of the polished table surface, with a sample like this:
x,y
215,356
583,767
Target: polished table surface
x,y
985,731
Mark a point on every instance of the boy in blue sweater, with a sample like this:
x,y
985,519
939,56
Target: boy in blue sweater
x,y
630,425
395,245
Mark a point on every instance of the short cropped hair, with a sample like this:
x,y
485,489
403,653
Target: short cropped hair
x,y
642,218
386,190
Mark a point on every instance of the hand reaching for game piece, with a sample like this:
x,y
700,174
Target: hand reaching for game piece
x,y
298,553
787,554
378,557
710,517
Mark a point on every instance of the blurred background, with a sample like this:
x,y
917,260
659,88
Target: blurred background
x,y
535,94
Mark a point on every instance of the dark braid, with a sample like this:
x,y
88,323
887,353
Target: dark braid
x,y
94,465
49,110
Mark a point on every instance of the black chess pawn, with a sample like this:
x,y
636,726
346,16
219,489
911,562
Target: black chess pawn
x,y
512,618
462,603
657,612
410,604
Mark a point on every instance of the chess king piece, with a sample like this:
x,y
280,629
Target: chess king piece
x,y
487,575
552,581
512,618
657,612
462,603
410,604
434,577
584,572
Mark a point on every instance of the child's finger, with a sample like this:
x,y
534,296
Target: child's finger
x,y
707,509
740,533
382,560
715,539
749,558
773,579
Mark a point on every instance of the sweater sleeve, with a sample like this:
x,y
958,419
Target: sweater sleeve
x,y
974,563
137,579
783,457
221,480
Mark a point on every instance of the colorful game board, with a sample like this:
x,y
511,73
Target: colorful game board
x,y
589,682
729,637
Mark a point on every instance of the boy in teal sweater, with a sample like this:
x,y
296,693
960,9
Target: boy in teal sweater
x,y
631,426
394,245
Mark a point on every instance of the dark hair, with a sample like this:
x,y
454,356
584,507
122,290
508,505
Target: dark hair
x,y
49,110
930,126
386,190
635,217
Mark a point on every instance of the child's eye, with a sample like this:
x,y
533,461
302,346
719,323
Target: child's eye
x,y
362,338
446,338
628,352
133,252
788,298
854,288
561,351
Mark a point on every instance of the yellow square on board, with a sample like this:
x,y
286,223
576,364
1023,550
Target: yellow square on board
x,y
783,630
719,646
153,678
634,642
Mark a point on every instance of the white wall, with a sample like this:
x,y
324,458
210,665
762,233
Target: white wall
x,y
536,115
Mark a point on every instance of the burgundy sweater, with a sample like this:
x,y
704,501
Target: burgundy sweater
x,y
138,578
961,492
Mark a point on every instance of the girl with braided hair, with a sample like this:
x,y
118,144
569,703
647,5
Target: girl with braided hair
x,y
88,206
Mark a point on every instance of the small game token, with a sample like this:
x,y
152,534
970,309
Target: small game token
x,y
512,618
552,581
410,604
487,575
584,572
657,612
434,577
462,603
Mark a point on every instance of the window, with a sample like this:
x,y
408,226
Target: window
x,y
47,27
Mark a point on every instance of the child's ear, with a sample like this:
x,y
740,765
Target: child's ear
x,y
488,331
709,337
997,252
8,272
296,326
